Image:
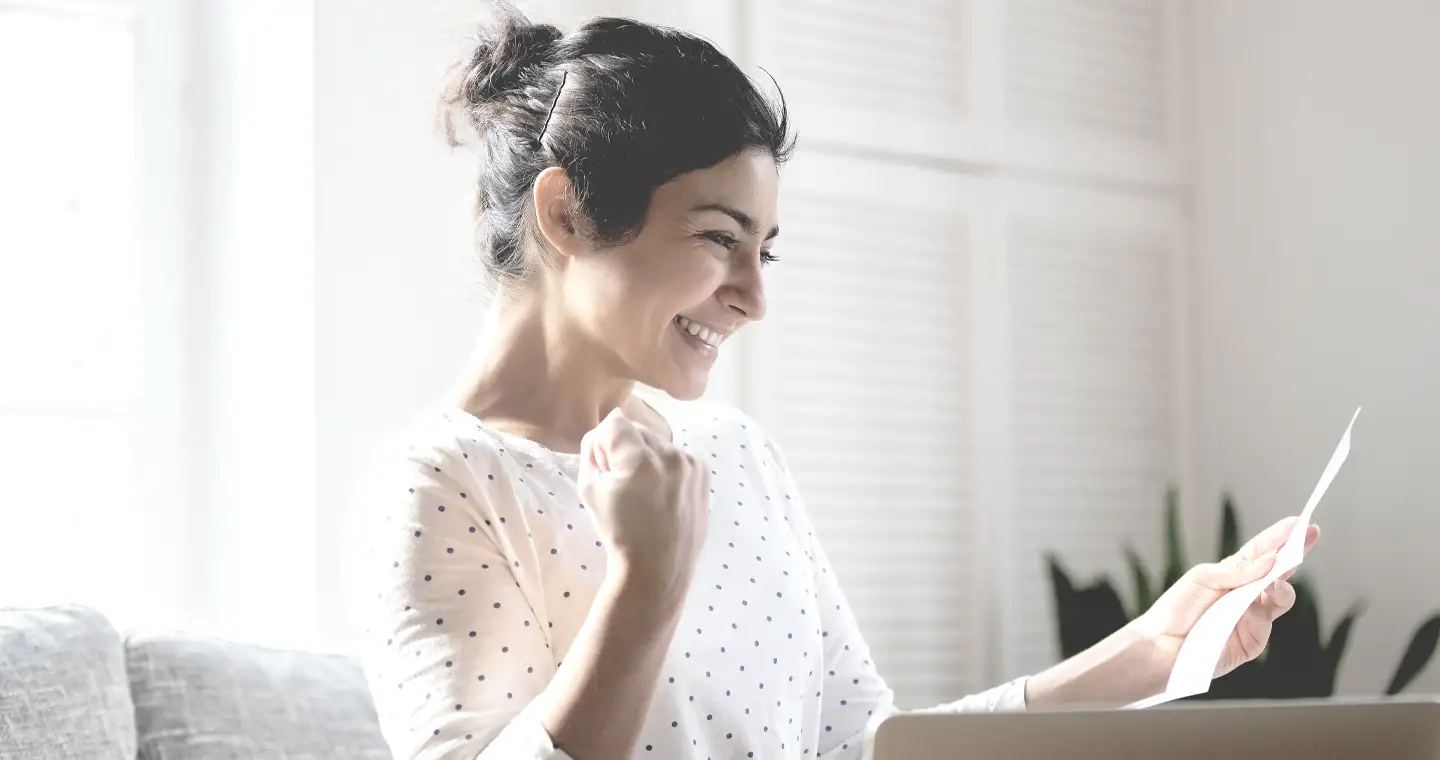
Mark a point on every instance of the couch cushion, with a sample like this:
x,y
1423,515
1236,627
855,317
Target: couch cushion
x,y
63,691
202,698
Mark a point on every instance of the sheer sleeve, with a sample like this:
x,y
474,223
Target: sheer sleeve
x,y
452,650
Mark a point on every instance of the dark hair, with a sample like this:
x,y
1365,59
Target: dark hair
x,y
634,106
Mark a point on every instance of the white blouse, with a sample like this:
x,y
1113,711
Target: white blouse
x,y
480,564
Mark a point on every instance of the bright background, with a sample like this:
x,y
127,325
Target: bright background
x,y
1042,257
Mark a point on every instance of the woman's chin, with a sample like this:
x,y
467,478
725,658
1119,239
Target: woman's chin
x,y
686,386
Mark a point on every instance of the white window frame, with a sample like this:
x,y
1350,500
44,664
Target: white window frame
x,y
156,417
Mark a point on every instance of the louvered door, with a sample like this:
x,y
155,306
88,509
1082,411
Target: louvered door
x,y
1095,395
1042,85
1093,87
863,372
909,76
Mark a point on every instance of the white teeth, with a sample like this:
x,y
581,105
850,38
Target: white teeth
x,y
703,333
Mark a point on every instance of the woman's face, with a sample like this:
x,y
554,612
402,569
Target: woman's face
x,y
662,307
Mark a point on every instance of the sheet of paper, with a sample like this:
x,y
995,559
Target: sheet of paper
x,y
1200,653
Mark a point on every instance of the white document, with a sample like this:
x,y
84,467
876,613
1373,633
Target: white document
x,y
1200,653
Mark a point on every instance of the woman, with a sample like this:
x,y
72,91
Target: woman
x,y
562,566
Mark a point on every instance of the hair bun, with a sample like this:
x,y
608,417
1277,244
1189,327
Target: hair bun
x,y
510,53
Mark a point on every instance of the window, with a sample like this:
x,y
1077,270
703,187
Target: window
x,y
76,384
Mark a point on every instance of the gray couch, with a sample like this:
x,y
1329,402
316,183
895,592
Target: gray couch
x,y
72,687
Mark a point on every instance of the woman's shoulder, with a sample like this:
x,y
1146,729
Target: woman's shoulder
x,y
703,416
706,420
437,455
433,437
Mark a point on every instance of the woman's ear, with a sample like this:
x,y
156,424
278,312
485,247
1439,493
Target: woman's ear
x,y
554,212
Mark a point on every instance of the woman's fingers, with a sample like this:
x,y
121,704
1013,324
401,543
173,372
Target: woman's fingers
x,y
652,440
618,441
1234,572
1311,536
587,450
1268,540
1274,537
1282,598
1252,635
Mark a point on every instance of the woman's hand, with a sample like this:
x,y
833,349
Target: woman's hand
x,y
649,500
1170,619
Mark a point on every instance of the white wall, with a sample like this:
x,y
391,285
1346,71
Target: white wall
x,y
1318,289
397,302
247,487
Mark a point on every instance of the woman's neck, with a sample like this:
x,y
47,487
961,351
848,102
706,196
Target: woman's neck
x,y
533,376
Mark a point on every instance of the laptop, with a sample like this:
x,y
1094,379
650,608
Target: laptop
x,y
1393,728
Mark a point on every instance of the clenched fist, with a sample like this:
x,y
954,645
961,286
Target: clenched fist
x,y
649,500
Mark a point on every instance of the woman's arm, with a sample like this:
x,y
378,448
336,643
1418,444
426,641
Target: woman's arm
x,y
595,707
1120,669
459,662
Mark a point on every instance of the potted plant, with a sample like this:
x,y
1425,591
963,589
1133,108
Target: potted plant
x,y
1302,660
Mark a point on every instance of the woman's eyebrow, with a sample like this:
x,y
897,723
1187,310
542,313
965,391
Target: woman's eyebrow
x,y
745,221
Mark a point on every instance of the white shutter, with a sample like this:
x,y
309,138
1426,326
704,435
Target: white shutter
x,y
912,76
1092,87
863,373
1050,85
1095,395
715,20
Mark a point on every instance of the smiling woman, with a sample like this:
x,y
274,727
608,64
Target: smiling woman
x,y
692,268
562,564
580,143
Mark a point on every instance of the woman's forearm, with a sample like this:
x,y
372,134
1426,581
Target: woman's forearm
x,y
1122,668
595,706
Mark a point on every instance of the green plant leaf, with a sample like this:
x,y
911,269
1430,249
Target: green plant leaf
x,y
1099,613
1141,575
1229,527
1061,579
1066,608
1084,614
1296,666
1417,655
1339,639
1245,682
1174,551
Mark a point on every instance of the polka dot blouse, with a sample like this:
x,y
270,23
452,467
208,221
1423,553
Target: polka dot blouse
x,y
480,562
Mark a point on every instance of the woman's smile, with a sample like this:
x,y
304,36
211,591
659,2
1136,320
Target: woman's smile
x,y
702,339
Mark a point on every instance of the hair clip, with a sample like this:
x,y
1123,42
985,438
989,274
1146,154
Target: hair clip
x,y
564,75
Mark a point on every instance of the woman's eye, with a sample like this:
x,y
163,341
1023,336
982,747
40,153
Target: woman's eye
x,y
768,257
722,239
